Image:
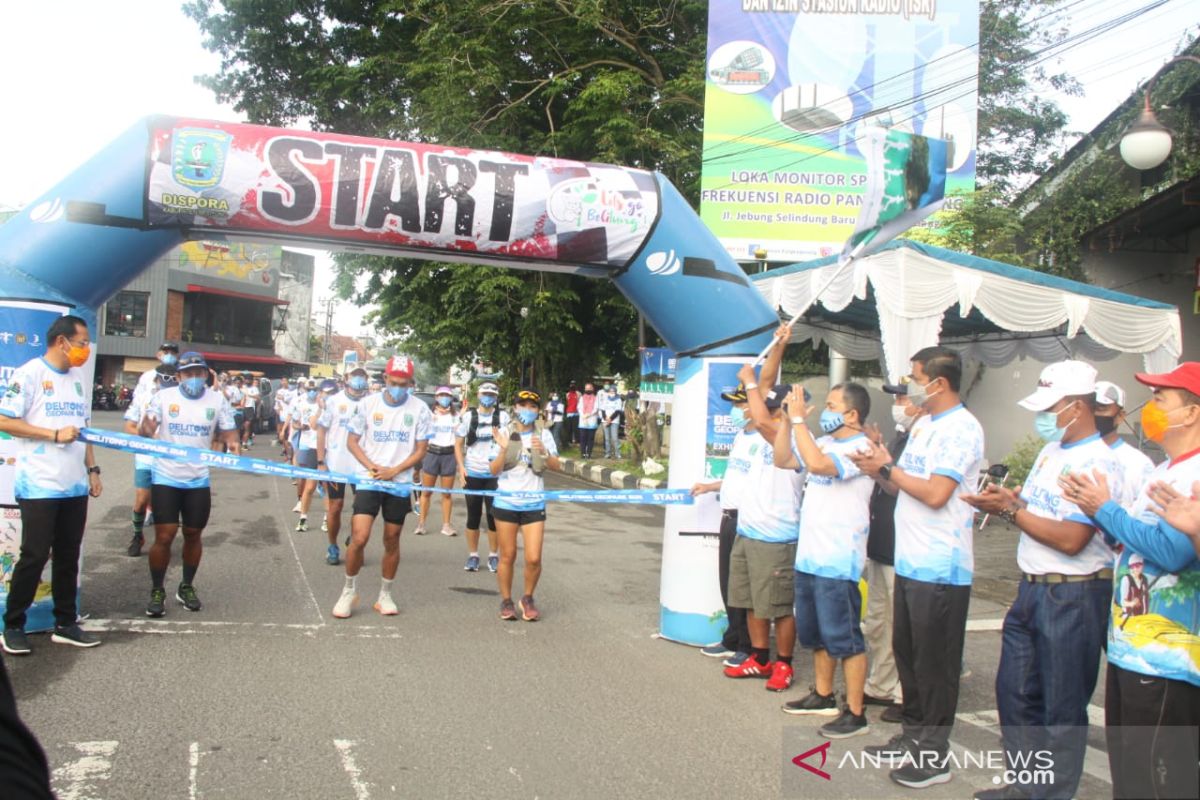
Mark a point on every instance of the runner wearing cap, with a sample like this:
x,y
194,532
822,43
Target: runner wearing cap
x,y
522,454
474,449
192,415
167,353
388,437
143,464
439,465
1136,466
1054,632
332,455
306,412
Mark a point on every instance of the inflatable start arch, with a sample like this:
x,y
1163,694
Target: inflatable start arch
x,y
167,180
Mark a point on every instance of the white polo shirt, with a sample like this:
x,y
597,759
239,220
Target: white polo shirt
x,y
43,396
389,434
741,469
770,506
836,516
190,422
1136,467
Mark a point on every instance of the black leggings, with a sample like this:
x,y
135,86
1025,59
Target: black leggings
x,y
475,502
53,524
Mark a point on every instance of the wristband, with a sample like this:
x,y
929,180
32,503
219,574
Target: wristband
x,y
750,386
797,420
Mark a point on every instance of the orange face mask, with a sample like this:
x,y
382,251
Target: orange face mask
x,y
1154,421
78,356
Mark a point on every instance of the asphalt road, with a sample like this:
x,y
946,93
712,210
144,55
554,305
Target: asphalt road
x,y
263,695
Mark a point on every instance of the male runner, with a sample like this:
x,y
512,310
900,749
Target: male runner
x,y
143,464
332,455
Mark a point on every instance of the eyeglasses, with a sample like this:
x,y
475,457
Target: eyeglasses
x,y
84,343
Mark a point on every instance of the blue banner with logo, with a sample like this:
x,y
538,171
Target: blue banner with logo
x,y
719,430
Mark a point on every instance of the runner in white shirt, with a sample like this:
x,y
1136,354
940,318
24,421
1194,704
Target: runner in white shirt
x,y
283,403
143,464
523,453
168,353
332,455
474,450
43,407
440,465
250,402
306,411
831,551
1136,466
388,437
188,414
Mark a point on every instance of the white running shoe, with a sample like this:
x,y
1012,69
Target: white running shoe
x,y
346,604
447,530
296,509
386,605
324,524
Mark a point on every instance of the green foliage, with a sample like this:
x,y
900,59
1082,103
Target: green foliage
x,y
1020,460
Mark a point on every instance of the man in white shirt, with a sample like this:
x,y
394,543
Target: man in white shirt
x,y
167,353
1054,632
250,401
332,455
44,408
1110,415
143,464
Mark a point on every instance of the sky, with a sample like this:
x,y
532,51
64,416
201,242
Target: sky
x,y
77,72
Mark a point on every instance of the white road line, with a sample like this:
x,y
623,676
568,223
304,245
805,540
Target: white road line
x,y
985,624
299,562
193,770
345,753
168,627
1095,762
78,779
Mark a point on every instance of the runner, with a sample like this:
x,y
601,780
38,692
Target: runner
x,y
332,455
388,437
474,449
251,397
521,456
168,353
143,464
187,414
306,411
439,463
283,405
234,392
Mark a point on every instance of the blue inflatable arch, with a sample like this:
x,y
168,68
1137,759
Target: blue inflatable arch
x,y
167,180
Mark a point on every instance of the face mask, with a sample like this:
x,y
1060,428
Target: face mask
x,y
737,417
554,398
1155,421
831,420
78,356
487,400
444,402
589,391
526,416
312,395
919,395
1046,425
901,419
170,359
398,393
358,383
192,387
1106,425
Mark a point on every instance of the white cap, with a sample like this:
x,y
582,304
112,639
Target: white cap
x,y
1108,393
1064,379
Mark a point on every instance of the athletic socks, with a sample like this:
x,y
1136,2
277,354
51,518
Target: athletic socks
x,y
139,521
495,554
157,576
761,654
189,573
473,554
352,583
785,659
386,588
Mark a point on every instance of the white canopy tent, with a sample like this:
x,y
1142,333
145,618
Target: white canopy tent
x,y
907,296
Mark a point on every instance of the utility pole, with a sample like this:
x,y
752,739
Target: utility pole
x,y
328,327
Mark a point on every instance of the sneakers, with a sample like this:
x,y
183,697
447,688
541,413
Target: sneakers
x,y
296,508
420,531
74,636
448,531
15,642
386,605
333,556
893,714
346,604
158,603
508,612
529,611
750,668
815,704
894,750
781,677
736,660
325,524
847,725
493,563
919,777
186,595
135,546
717,650
472,564
302,525
869,700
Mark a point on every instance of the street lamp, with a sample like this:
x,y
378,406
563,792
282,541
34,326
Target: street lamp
x,y
1147,143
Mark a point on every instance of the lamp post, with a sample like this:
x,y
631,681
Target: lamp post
x,y
1147,143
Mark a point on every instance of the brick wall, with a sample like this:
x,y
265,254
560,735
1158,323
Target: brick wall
x,y
174,330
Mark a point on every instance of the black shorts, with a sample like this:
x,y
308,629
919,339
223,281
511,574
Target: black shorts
x,y
335,491
249,413
519,517
370,502
170,503
475,502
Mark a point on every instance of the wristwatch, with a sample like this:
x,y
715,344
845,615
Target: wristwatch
x,y
320,463
1009,514
885,472
94,470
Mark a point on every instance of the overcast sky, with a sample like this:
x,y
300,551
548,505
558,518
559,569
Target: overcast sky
x,y
76,73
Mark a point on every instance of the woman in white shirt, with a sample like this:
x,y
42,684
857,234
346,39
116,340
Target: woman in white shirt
x,y
440,464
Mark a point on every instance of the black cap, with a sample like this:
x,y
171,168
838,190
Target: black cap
x,y
896,388
738,395
775,397
169,346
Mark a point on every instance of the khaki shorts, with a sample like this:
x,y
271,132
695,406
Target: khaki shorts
x,y
761,577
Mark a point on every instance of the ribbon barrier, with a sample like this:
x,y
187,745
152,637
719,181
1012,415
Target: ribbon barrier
x,y
128,443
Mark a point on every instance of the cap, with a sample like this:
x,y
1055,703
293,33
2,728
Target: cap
x,y
1064,379
488,387
738,395
527,395
1108,393
329,386
1185,376
444,390
190,360
359,368
896,388
774,398
1136,560
169,346
399,367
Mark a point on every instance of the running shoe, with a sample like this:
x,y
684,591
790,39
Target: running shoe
x,y
302,525
186,594
135,546
529,611
74,636
736,659
296,508
918,777
493,563
750,668
447,530
386,605
333,556
508,612
325,524
158,603
781,677
346,604
15,642
420,531
847,725
813,703
472,564
717,650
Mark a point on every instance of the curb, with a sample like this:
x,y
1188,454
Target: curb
x,y
608,477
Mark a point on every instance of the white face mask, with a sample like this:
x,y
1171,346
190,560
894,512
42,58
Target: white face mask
x,y
902,419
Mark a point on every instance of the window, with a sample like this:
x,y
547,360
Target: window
x,y
125,314
218,320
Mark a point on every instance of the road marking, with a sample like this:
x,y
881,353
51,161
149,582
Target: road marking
x,y
1095,762
168,627
345,748
296,553
985,624
76,780
193,769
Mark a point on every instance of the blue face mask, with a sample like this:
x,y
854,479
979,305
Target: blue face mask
x,y
312,395
487,400
444,402
737,417
192,387
398,393
831,420
170,359
1046,425
358,383
526,415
